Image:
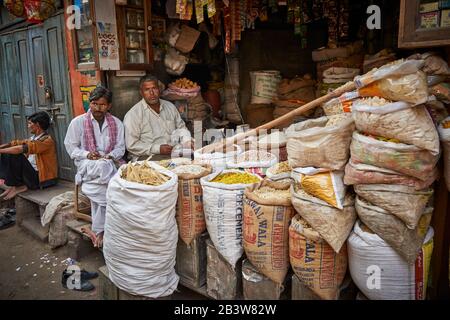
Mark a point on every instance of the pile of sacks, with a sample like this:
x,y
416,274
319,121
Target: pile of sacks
x,y
318,151
293,93
394,153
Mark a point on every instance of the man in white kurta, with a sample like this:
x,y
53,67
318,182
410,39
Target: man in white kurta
x,y
153,127
95,141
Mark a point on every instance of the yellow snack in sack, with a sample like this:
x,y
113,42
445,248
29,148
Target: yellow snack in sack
x,y
327,186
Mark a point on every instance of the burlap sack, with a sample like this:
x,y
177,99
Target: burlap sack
x,y
403,158
332,224
311,144
189,210
359,173
314,262
404,202
405,241
266,237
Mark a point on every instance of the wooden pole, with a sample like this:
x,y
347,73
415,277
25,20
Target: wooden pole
x,y
350,86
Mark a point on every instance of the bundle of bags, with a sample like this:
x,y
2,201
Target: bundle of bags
x,y
394,154
318,151
293,93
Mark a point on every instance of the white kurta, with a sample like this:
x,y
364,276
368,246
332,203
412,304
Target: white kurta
x,y
146,130
94,175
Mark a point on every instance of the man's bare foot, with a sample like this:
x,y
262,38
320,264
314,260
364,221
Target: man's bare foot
x,y
14,191
90,234
99,242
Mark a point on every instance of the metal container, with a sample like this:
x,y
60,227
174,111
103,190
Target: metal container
x,y
191,261
223,282
256,286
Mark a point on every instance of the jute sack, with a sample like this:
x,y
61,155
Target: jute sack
x,y
403,158
396,120
311,144
404,202
444,134
405,241
314,262
332,224
190,216
266,230
224,211
397,279
359,173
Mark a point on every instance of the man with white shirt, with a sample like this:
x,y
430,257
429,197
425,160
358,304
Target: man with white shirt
x,y
153,127
95,141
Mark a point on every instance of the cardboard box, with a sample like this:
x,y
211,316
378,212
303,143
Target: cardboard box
x,y
187,39
429,7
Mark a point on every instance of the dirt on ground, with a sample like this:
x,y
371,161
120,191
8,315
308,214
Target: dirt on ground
x,y
30,269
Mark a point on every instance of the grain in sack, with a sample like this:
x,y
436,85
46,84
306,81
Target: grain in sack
x,y
223,203
279,171
312,143
332,224
253,161
190,216
314,262
320,183
217,157
267,214
398,280
405,241
402,158
359,173
141,233
404,202
397,120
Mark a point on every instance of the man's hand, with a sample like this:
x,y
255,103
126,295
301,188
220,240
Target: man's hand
x,y
188,144
108,157
94,155
165,149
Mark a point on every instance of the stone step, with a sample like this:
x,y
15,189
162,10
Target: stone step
x,y
33,226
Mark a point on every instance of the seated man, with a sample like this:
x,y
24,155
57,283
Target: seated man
x,y
29,164
154,126
95,141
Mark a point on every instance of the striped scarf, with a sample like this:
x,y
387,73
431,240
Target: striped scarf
x,y
89,136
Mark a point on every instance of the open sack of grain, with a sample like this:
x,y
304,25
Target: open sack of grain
x,y
320,143
332,224
396,120
141,232
341,104
223,203
190,216
405,241
254,161
381,273
404,202
402,158
279,171
314,262
359,173
444,134
275,143
401,80
218,156
267,214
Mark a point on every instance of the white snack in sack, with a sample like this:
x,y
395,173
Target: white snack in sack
x,y
141,235
217,160
370,256
224,210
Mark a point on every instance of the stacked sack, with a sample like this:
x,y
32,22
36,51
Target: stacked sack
x,y
186,95
318,150
335,77
293,93
394,153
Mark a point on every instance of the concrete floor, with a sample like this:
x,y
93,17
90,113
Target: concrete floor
x,y
29,269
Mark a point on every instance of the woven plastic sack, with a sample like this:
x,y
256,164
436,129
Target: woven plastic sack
x,y
404,202
312,144
402,158
405,241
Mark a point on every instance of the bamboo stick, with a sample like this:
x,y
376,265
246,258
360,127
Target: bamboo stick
x,y
350,86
